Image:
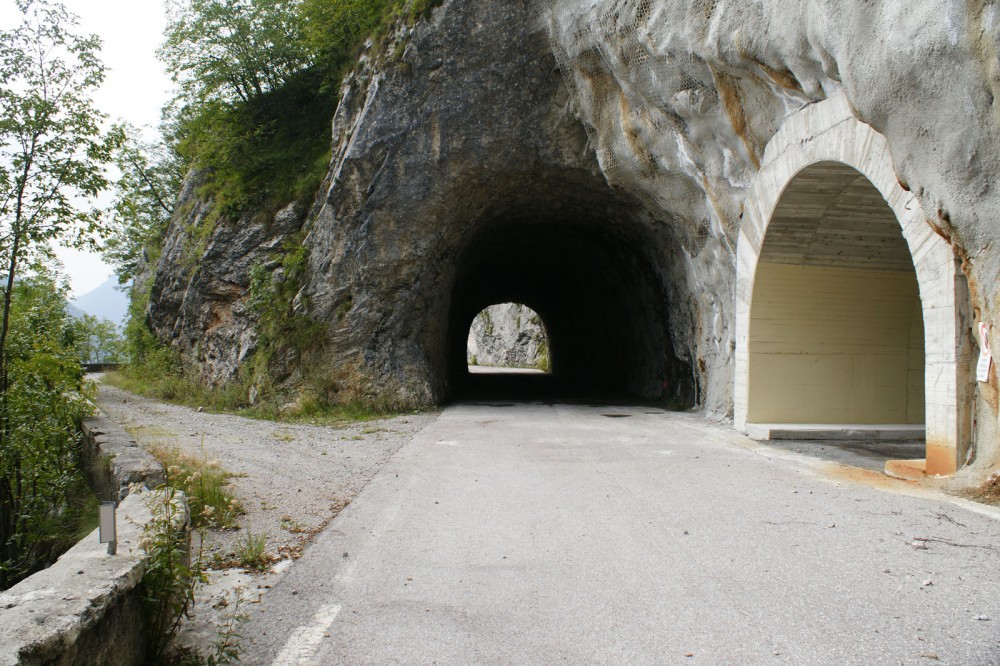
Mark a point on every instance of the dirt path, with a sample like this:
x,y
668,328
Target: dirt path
x,y
292,480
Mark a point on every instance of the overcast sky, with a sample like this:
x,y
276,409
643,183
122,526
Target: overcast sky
x,y
135,89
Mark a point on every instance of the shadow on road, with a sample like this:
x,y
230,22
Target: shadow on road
x,y
866,454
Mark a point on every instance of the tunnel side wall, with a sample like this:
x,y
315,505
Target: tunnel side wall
x,y
835,345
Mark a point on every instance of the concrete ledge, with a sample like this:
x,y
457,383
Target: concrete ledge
x,y
112,461
86,608
832,431
908,470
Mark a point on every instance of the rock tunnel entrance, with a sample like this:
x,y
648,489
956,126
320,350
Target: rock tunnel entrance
x,y
593,276
836,322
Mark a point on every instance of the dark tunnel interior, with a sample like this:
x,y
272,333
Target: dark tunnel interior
x,y
592,281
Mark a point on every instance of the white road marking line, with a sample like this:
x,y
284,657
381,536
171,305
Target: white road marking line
x,y
304,641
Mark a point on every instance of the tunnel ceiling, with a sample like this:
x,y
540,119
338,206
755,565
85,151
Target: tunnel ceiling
x,y
831,215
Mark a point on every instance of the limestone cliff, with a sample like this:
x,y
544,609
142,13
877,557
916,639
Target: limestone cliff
x,y
592,160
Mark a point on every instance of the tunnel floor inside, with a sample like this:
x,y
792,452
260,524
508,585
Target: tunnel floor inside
x,y
515,385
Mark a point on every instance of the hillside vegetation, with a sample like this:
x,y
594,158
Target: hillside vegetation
x,y
258,82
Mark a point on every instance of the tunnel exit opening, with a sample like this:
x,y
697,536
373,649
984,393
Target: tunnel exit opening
x,y
836,323
828,190
507,337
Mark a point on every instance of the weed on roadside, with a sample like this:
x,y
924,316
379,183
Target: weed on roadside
x,y
251,551
204,482
171,573
293,526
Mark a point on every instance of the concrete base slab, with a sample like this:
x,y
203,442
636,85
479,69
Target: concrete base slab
x,y
835,431
908,470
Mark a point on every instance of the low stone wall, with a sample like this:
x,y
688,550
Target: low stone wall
x,y
85,609
113,461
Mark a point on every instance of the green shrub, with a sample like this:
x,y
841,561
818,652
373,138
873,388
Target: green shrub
x,y
43,498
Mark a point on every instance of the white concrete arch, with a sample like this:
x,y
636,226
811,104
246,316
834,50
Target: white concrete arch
x,y
828,132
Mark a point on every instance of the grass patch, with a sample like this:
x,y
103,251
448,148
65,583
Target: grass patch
x,y
232,399
150,432
316,413
179,390
251,552
80,514
204,483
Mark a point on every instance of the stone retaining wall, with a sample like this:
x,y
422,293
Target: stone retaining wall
x,y
113,461
85,609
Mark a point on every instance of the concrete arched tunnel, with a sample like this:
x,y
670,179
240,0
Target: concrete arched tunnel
x,y
598,287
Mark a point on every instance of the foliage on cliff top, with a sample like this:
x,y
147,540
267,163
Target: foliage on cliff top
x,y
146,191
258,83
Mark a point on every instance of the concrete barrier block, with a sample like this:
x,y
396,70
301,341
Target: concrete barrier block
x,y
86,608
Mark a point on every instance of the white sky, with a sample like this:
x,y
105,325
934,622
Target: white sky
x,y
136,87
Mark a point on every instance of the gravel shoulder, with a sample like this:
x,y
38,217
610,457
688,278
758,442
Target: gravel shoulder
x,y
291,480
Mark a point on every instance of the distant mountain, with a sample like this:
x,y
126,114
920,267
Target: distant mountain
x,y
74,311
105,302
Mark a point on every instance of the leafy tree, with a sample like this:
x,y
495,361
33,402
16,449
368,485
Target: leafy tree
x,y
258,86
145,194
232,50
52,152
52,149
333,29
98,340
40,482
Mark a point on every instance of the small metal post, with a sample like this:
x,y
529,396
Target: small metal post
x,y
107,530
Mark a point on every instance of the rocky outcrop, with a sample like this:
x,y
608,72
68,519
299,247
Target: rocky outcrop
x,y
199,287
461,177
508,335
591,160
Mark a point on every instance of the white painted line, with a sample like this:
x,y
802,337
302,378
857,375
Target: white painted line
x,y
304,641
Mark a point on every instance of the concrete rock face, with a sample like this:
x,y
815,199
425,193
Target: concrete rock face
x,y
592,161
508,335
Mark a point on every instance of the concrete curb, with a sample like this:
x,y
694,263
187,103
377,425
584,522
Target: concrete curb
x,y
86,608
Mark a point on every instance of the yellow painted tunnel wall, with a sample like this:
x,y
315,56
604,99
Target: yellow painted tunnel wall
x,y
835,345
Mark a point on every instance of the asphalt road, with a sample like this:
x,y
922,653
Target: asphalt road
x,y
546,534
